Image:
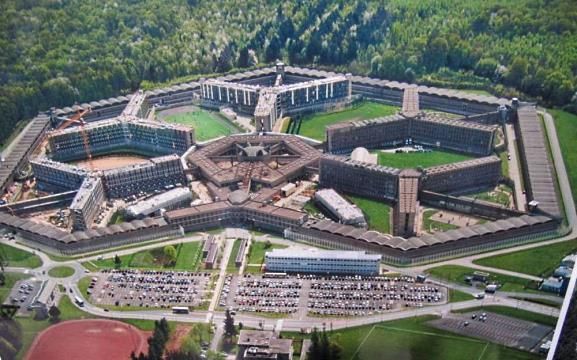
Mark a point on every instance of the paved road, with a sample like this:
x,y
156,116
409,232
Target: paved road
x,y
515,169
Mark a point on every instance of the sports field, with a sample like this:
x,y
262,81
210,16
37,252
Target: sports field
x,y
206,124
412,339
93,339
313,126
419,159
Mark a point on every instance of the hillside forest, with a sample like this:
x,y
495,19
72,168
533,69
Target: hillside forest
x,y
58,52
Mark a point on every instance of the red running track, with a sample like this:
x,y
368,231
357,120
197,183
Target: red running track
x,y
88,340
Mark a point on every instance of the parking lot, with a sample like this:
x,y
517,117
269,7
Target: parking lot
x,y
23,294
334,296
148,288
495,328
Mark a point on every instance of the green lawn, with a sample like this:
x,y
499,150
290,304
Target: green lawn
x,y
419,159
116,218
545,302
566,125
435,226
456,273
19,258
376,213
313,126
412,339
257,250
206,124
504,163
540,261
188,258
10,279
458,296
231,266
61,271
516,313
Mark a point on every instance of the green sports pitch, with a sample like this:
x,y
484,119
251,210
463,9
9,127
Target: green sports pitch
x,y
206,124
313,126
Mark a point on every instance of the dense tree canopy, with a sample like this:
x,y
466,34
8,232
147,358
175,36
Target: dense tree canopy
x,y
57,52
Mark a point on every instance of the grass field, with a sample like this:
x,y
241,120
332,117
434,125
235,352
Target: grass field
x,y
434,226
566,125
456,273
10,279
504,163
457,296
61,271
116,218
187,258
206,124
540,261
19,258
419,159
376,213
516,313
412,339
314,126
257,250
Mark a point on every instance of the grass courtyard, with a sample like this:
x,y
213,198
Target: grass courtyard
x,y
187,258
414,339
313,126
540,261
377,214
432,226
206,124
19,258
419,159
456,274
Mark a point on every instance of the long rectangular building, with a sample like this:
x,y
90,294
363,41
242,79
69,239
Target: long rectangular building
x,y
427,129
354,177
341,209
140,136
86,204
538,169
463,176
56,176
322,261
155,174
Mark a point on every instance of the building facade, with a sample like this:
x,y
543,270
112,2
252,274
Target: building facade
x,y
322,262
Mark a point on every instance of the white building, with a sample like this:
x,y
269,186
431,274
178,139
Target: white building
x,y
322,261
168,200
341,209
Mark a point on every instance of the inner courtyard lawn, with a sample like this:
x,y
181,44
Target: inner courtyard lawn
x,y
419,159
377,214
313,126
206,124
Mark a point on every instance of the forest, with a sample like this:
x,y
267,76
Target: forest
x,y
58,52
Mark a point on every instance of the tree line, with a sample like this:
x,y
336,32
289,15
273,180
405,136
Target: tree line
x,y
56,53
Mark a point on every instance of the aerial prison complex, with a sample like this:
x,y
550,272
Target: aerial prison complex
x,y
244,172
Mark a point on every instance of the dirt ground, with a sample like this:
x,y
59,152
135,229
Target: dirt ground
x,y
449,217
112,161
177,337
